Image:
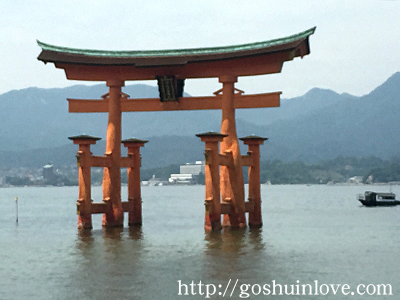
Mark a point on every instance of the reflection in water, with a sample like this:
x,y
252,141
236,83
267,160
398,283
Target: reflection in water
x,y
233,252
109,261
113,233
135,232
85,241
235,240
85,235
302,239
213,240
255,238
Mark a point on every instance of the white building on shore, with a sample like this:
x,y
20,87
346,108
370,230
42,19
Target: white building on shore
x,y
188,173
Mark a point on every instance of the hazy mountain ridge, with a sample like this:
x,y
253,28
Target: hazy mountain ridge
x,y
313,100
318,125
351,126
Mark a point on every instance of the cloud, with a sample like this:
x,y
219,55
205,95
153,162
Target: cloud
x,y
353,49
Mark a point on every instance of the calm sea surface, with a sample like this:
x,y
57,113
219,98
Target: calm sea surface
x,y
310,233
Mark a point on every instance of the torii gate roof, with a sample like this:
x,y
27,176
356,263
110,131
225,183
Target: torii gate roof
x,y
238,60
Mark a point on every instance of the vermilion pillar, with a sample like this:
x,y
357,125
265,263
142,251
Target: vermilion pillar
x,y
134,191
232,184
254,142
114,217
84,163
212,220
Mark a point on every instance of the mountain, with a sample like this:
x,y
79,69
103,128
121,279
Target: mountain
x,y
38,118
160,151
313,100
351,126
318,125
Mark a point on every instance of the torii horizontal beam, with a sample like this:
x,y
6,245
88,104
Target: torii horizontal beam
x,y
184,103
259,58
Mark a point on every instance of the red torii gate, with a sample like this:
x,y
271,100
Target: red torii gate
x,y
224,177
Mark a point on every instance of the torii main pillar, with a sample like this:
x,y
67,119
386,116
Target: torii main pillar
x,y
232,184
114,217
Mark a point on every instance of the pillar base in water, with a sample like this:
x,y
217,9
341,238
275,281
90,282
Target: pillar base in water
x,y
84,226
110,221
137,224
259,225
212,226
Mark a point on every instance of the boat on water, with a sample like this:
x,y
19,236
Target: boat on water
x,y
378,199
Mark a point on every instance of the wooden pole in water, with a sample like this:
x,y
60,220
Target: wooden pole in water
x,y
16,209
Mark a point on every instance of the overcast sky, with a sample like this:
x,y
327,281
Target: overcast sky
x,y
355,48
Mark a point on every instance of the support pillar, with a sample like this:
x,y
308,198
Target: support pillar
x,y
134,190
254,142
232,184
212,220
114,217
84,157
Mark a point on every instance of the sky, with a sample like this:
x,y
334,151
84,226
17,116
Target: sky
x,y
354,49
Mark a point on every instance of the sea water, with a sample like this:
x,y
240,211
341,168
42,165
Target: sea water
x,y
316,235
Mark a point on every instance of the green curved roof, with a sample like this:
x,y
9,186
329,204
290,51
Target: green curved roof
x,y
178,52
151,58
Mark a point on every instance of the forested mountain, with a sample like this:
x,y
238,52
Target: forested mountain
x,y
351,126
318,125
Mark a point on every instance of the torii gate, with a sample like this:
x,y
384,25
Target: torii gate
x,y
224,176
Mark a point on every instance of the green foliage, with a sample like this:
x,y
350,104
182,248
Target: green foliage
x,y
353,166
339,169
161,173
385,173
201,179
97,176
18,181
278,172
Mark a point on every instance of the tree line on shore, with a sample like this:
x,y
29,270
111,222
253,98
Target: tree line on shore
x,y
338,170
